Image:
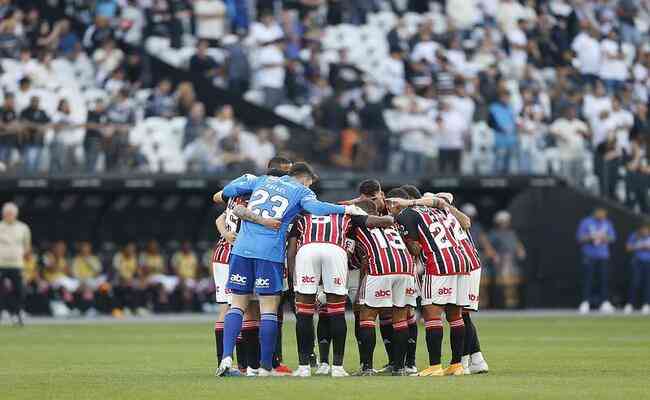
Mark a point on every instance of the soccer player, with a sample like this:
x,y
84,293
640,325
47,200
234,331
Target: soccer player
x,y
228,225
370,189
388,285
317,253
257,259
433,232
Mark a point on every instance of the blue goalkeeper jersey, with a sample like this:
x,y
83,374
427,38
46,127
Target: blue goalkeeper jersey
x,y
273,197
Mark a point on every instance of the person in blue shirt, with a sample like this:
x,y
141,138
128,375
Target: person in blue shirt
x,y
595,234
257,258
639,245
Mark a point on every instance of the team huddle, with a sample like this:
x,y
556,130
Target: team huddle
x,y
380,251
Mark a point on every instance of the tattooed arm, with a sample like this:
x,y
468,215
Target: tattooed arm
x,y
248,215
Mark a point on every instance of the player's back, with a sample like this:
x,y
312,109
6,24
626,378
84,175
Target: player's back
x,y
271,197
385,250
331,229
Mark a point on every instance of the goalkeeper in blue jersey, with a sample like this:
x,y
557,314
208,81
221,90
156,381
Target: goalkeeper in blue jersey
x,y
257,260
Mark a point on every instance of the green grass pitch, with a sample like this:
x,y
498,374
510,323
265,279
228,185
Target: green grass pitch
x,y
530,358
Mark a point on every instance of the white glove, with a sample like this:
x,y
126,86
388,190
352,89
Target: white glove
x,y
354,210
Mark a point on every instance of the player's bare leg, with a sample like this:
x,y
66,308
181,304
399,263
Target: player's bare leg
x,y
368,339
433,324
305,306
251,339
338,331
400,339
232,327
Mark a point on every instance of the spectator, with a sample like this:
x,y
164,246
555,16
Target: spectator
x,y
67,39
15,244
67,140
344,75
121,117
587,49
571,134
510,253
201,64
34,119
152,270
185,98
9,129
131,24
638,175
97,124
9,42
223,122
638,244
97,34
595,234
393,73
107,59
36,297
613,69
266,31
237,67
195,125
58,274
161,103
185,265
270,73
502,120
210,19
452,131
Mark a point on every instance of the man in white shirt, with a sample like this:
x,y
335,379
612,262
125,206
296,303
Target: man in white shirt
x,y
571,134
267,30
613,68
518,47
587,49
210,19
15,243
452,130
392,73
270,73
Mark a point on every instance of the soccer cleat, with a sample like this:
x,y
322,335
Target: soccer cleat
x,y
339,372
399,372
225,369
283,370
477,364
387,369
323,369
251,371
606,307
365,372
303,371
434,370
465,362
584,307
628,309
645,310
411,370
454,370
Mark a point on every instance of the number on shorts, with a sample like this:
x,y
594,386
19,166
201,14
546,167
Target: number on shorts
x,y
278,203
388,237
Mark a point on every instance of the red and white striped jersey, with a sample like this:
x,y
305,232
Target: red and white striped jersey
x,y
385,251
441,237
222,250
470,248
333,228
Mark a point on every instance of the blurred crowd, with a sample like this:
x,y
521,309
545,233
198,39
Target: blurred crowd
x,y
447,86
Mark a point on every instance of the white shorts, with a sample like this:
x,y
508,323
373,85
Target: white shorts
x,y
220,273
447,289
353,285
316,261
473,289
389,291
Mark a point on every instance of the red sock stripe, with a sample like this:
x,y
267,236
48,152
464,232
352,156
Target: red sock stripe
x,y
433,324
398,326
412,320
385,321
218,326
336,308
239,338
457,323
250,324
367,324
304,308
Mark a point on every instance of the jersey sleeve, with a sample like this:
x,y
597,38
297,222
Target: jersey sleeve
x,y
407,221
312,205
295,227
240,186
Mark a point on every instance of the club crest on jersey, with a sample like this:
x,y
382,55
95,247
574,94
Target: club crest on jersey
x,y
262,283
238,279
382,294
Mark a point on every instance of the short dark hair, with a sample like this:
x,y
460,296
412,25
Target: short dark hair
x,y
367,205
399,193
412,191
369,187
302,168
277,162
